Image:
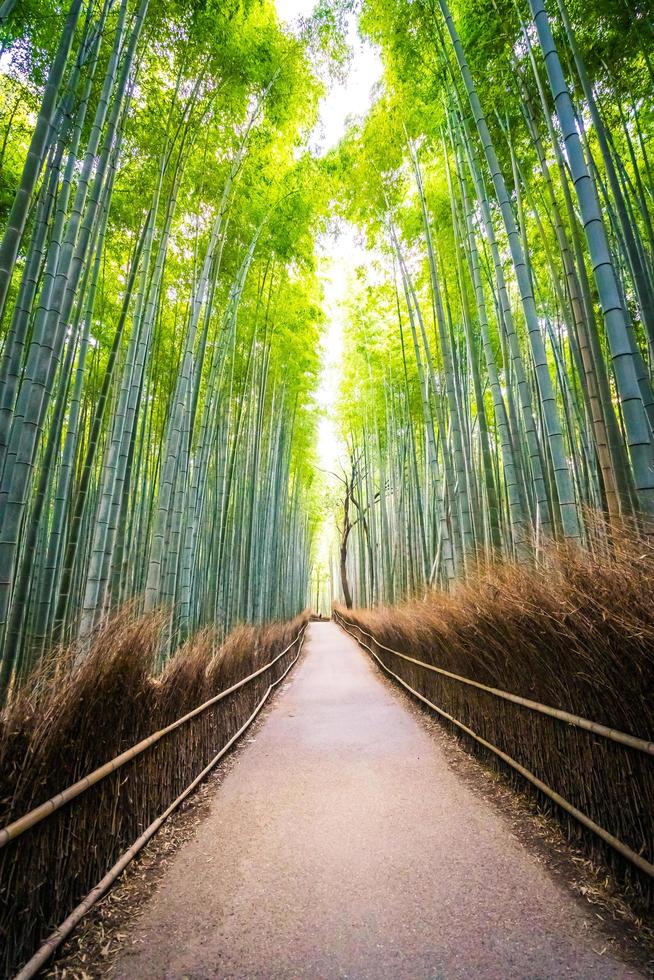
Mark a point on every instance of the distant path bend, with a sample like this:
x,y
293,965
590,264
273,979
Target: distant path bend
x,y
342,844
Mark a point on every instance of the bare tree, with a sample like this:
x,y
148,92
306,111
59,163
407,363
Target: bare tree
x,y
350,479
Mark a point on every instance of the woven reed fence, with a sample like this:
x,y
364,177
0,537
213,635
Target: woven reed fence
x,y
73,726
608,779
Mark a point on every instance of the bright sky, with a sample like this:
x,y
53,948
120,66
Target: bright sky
x,y
350,98
338,254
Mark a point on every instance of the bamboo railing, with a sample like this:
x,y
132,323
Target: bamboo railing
x,y
577,721
40,813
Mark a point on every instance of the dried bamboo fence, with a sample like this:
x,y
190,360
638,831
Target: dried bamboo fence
x,y
597,777
67,850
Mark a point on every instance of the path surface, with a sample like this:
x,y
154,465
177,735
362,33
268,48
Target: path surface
x,y
342,845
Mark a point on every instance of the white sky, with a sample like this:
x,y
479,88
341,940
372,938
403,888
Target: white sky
x,y
338,254
350,98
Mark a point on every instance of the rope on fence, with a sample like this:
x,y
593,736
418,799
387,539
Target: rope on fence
x,y
613,734
636,859
39,813
55,940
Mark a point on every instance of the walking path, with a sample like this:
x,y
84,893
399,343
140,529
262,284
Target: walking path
x,y
341,844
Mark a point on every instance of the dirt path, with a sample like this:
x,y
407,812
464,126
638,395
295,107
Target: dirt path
x,y
343,845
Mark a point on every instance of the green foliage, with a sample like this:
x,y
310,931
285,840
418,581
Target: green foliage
x,y
205,446
481,387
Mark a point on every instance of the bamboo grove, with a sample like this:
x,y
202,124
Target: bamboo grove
x,y
156,280
498,390
161,307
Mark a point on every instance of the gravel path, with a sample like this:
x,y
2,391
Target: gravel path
x,y
342,844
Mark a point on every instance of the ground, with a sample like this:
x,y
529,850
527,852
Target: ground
x,y
348,841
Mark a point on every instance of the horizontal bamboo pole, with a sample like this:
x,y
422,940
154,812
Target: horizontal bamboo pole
x,y
578,721
636,859
55,940
39,813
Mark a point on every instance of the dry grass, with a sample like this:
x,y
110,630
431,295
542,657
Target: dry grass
x,y
70,720
577,633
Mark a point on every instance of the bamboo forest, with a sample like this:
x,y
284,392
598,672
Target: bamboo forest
x,y
326,335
